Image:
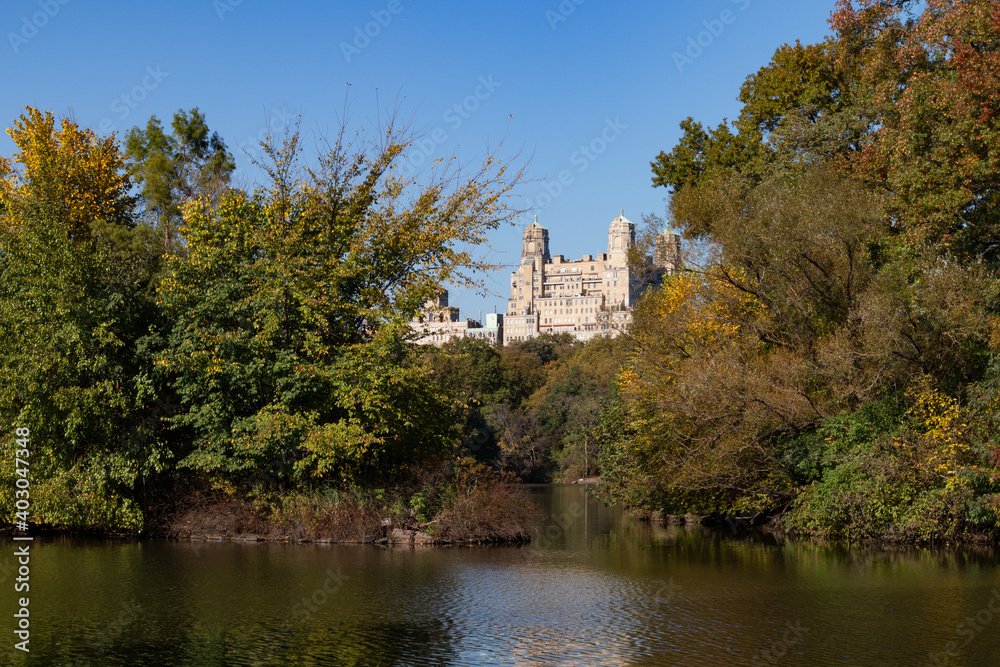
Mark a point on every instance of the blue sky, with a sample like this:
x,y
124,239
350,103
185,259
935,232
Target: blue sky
x,y
551,78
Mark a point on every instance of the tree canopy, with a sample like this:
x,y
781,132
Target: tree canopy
x,y
851,286
177,168
273,353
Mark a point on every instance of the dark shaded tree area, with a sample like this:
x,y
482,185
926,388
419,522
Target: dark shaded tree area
x,y
836,353
530,408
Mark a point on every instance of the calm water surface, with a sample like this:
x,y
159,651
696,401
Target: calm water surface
x,y
594,588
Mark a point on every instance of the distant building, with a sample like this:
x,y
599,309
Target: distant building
x,y
491,330
587,297
437,323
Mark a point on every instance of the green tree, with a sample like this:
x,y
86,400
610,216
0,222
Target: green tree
x,y
173,169
470,371
550,432
290,345
800,107
75,273
548,347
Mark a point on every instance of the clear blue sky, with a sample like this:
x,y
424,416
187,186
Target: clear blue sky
x,y
558,76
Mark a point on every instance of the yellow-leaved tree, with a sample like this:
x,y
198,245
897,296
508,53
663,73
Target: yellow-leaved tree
x,y
69,170
289,344
74,303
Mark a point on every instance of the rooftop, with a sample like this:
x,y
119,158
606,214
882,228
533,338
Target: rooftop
x,y
535,223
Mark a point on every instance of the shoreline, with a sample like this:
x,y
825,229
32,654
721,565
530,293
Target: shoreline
x,y
772,525
392,537
494,513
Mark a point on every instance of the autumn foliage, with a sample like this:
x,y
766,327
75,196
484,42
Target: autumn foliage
x,y
260,350
831,354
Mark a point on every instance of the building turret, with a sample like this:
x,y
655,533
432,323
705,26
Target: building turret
x,y
439,301
621,236
668,252
536,244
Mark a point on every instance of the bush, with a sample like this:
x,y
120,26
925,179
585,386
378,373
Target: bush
x,y
492,512
464,500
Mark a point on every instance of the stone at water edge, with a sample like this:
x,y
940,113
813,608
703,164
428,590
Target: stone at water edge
x,y
400,535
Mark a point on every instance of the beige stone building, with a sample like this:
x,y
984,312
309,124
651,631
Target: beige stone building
x,y
437,323
586,297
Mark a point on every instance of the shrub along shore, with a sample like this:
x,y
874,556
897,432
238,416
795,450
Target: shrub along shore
x,y
457,502
463,510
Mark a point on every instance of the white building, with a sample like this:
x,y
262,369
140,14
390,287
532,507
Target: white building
x,y
587,297
439,323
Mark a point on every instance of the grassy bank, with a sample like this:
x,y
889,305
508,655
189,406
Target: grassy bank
x,y
448,502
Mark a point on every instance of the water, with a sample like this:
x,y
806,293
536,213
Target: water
x,y
594,588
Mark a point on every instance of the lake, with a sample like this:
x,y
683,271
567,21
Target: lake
x,y
594,588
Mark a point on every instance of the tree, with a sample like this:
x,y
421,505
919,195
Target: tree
x,y
548,347
800,107
468,369
178,168
290,345
68,172
521,449
852,220
934,77
75,271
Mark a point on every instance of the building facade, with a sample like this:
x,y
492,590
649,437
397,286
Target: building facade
x,y
587,297
491,330
438,323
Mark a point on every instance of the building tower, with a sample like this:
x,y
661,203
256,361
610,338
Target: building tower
x,y
440,300
536,245
668,252
621,236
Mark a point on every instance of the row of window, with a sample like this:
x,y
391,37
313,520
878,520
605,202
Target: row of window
x,y
569,311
